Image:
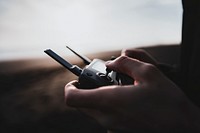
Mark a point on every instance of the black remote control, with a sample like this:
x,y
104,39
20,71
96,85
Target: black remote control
x,y
94,75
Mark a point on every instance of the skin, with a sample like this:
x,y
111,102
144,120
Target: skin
x,y
152,104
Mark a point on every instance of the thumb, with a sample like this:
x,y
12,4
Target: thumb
x,y
136,69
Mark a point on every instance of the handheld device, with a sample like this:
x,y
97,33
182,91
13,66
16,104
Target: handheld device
x,y
94,75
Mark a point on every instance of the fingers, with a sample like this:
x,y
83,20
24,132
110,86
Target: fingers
x,y
133,52
80,97
101,98
74,82
104,97
136,69
139,54
70,87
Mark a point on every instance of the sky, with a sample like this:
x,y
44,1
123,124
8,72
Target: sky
x,y
28,27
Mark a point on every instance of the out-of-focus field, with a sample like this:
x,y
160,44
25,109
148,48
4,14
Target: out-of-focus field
x,y
32,94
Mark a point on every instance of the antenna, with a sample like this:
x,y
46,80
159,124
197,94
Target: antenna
x,y
85,59
73,68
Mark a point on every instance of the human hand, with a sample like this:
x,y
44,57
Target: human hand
x,y
152,104
139,54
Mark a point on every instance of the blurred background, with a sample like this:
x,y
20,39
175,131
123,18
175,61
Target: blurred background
x,y
32,84
27,27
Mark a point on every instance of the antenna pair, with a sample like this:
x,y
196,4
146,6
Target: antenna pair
x,y
73,68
